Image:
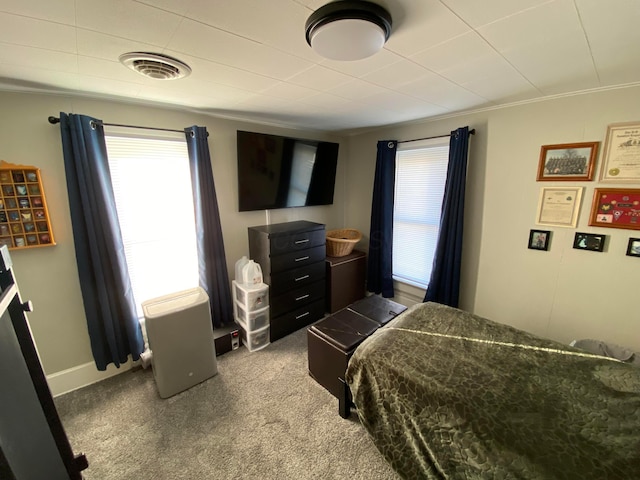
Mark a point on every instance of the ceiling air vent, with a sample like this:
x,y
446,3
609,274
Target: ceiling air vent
x,y
155,65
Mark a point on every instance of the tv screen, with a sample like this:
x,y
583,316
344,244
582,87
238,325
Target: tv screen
x,y
281,172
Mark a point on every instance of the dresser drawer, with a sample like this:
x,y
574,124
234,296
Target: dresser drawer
x,y
295,320
296,259
297,277
297,298
296,241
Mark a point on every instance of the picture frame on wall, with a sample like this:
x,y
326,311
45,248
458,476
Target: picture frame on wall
x,y
568,162
559,206
633,249
589,241
616,208
621,154
539,239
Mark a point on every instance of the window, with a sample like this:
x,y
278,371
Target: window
x,y
421,172
152,186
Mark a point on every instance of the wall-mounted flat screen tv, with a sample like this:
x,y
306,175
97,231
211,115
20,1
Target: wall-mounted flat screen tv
x,y
280,172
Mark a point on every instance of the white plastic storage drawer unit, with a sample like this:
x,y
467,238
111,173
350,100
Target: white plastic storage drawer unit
x,y
181,340
251,296
251,321
255,340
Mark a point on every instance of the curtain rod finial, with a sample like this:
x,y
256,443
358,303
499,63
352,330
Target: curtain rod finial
x,y
53,120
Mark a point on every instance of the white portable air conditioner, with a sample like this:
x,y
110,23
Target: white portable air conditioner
x,y
181,341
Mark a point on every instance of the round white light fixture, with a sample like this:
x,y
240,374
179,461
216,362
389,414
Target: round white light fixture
x,y
348,29
155,65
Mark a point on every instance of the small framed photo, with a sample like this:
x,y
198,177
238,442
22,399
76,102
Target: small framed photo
x,y
567,162
589,241
539,239
633,249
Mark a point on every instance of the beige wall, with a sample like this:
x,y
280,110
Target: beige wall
x,y
48,276
564,293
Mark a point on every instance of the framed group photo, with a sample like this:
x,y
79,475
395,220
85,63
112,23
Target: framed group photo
x,y
568,162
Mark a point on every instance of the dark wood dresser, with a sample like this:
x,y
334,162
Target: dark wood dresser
x,y
291,256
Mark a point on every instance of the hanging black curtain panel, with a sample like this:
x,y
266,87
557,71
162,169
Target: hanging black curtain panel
x,y
212,263
444,285
379,273
109,306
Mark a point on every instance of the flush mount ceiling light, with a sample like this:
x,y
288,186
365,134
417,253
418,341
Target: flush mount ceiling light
x,y
155,65
348,30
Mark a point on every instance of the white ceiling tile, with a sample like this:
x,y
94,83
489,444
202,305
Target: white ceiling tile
x,y
440,91
469,61
480,13
30,32
213,72
222,47
289,91
30,78
275,23
613,38
319,78
128,19
555,62
45,59
108,69
421,24
108,47
59,11
359,68
357,89
398,74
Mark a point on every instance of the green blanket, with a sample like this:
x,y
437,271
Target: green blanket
x,y
448,394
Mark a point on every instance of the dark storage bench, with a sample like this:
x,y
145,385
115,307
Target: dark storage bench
x,y
332,341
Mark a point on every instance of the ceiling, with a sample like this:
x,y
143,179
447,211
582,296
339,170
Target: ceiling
x,y
250,59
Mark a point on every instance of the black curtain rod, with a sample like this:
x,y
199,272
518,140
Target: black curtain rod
x,y
54,120
471,132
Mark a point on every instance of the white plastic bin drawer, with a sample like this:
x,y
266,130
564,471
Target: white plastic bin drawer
x,y
251,321
251,297
256,340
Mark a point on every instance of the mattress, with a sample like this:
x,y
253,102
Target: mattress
x,y
447,394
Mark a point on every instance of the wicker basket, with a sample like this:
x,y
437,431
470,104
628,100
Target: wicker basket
x,y
341,242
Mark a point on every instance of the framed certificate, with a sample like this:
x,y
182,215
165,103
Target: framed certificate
x,y
616,208
621,155
559,206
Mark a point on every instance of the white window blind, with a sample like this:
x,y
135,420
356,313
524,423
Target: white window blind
x,y
421,172
152,187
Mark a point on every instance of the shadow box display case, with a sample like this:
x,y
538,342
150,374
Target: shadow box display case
x,y
24,218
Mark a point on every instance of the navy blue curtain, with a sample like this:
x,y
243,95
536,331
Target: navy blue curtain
x,y
114,330
444,285
212,263
379,271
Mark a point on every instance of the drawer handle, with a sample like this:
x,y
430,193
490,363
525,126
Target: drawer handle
x,y
298,242
302,258
303,315
304,277
302,297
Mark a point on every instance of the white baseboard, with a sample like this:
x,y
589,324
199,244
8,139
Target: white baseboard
x,y
77,377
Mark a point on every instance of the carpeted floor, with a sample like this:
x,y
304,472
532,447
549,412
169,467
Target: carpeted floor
x,y
261,417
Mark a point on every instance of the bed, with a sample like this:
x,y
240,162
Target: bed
x,y
448,394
